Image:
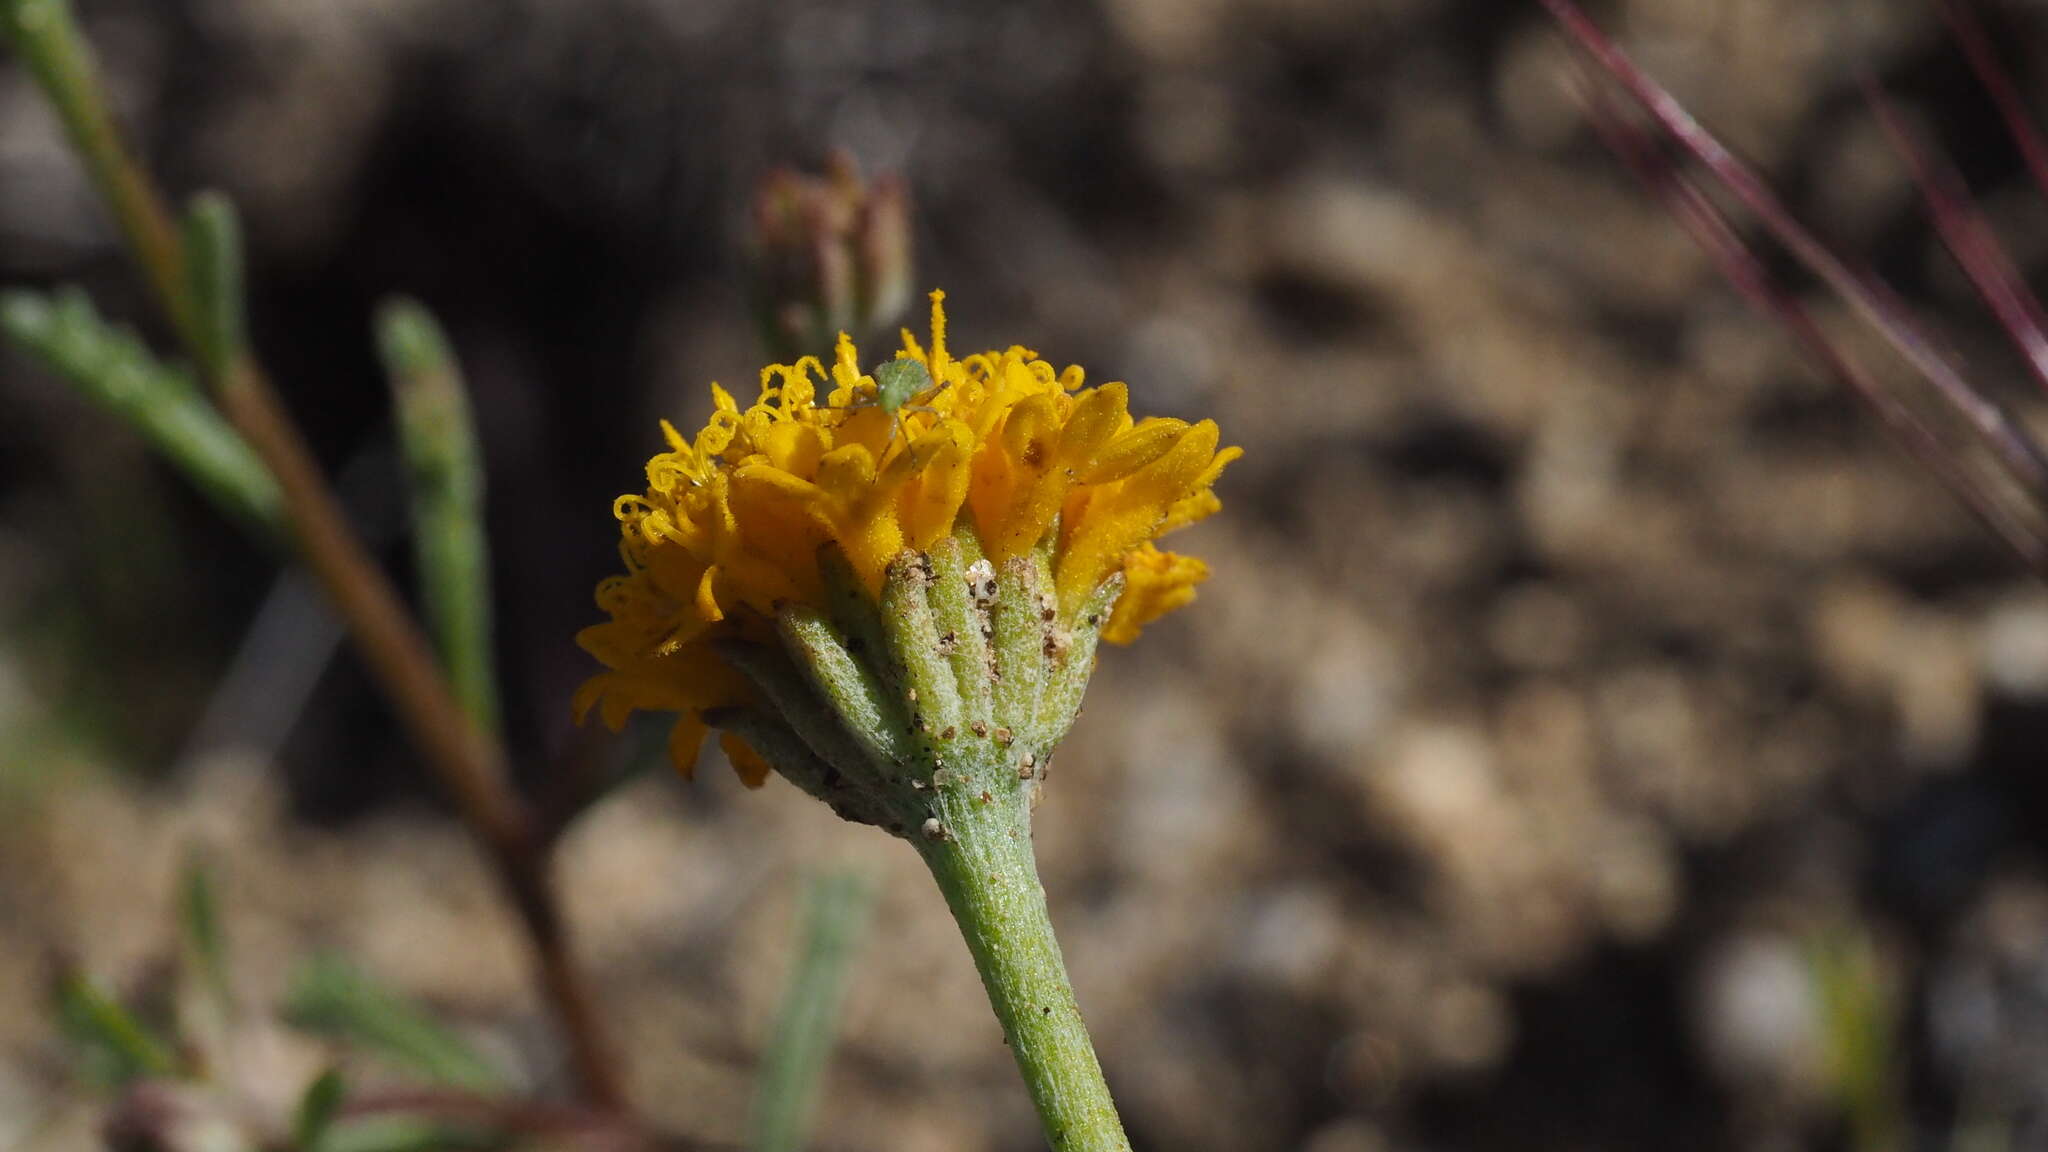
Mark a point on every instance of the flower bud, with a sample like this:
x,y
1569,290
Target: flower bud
x,y
831,254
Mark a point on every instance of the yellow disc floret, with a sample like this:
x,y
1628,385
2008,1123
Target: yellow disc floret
x,y
730,528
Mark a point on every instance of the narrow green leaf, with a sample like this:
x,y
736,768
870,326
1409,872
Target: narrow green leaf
x,y
447,488
332,998
213,269
116,1046
205,997
835,908
1858,1031
412,342
28,24
199,916
317,1110
111,368
46,37
407,1134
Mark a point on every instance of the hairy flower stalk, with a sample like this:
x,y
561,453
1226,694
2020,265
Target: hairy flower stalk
x,y
895,604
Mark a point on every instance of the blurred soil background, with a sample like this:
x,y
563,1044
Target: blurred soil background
x,y
1577,661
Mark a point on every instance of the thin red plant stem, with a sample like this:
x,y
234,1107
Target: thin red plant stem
x,y
2011,446
1746,273
1968,236
1962,20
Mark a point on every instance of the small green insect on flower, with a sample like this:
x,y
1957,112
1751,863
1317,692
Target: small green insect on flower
x,y
897,383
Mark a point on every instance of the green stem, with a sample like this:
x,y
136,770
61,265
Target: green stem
x,y
981,856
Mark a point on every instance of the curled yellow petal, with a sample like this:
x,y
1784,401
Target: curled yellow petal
x,y
707,596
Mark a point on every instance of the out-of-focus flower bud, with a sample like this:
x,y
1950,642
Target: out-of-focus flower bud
x,y
831,255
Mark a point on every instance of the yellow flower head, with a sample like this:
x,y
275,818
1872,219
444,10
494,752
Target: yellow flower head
x,y
731,526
